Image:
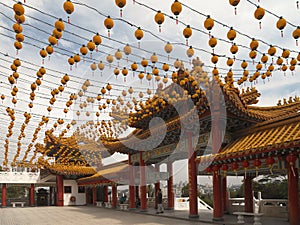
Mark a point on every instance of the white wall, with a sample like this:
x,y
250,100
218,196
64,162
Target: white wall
x,y
80,197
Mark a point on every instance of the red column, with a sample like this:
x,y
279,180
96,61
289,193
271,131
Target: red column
x,y
225,194
293,195
157,185
59,190
131,184
105,193
217,194
170,186
248,193
3,195
31,195
192,178
86,195
114,196
143,183
94,195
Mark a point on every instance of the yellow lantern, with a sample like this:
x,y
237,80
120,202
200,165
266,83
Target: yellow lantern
x,y
187,33
18,9
57,34
124,72
59,25
109,59
52,40
19,37
134,67
259,14
108,23
281,23
159,19
168,49
296,34
139,34
43,54
91,46
144,63
212,42
176,9
69,8
20,19
127,51
234,49
120,4
17,28
214,59
234,3
209,23
141,76
231,34
253,44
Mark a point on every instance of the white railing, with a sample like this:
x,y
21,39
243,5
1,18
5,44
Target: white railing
x,y
269,207
11,177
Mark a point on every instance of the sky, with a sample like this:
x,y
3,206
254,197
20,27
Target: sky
x,y
87,19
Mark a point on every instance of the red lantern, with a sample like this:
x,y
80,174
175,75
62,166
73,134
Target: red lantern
x,y
216,168
224,168
245,165
291,158
270,161
256,163
208,170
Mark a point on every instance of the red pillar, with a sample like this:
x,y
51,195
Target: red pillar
x,y
105,193
248,193
31,195
157,185
3,195
170,186
86,195
131,184
143,183
59,190
293,195
94,195
225,194
192,169
217,194
114,196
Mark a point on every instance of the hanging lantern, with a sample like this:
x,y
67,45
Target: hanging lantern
x,y
118,55
272,50
234,3
19,18
69,8
159,19
234,49
231,34
93,67
97,40
264,59
229,62
279,61
141,76
144,63
252,55
281,23
176,9
254,44
296,34
18,9
43,54
71,61
245,165
124,72
168,49
270,161
291,159
116,72
212,42
19,37
120,4
139,34
190,52
259,14
187,33
257,164
108,23
17,28
59,25
127,51
285,54
52,40
224,167
134,67
154,58
91,46
209,24
214,59
17,62
49,50
57,34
